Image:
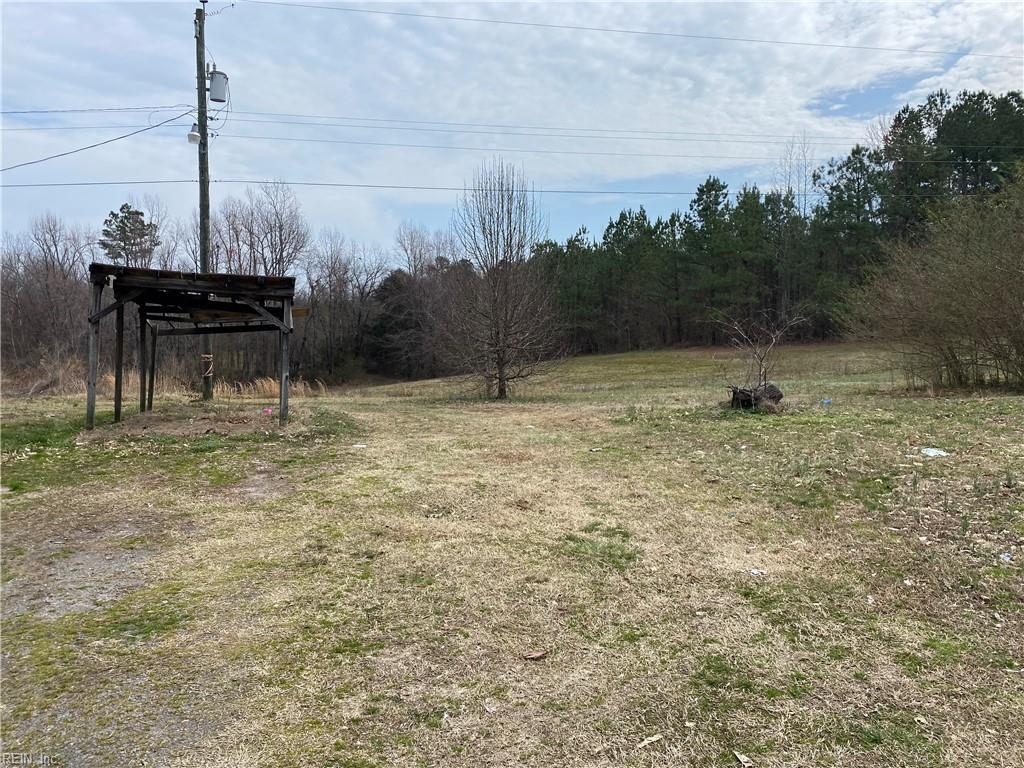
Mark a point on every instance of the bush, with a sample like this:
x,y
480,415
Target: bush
x,y
952,305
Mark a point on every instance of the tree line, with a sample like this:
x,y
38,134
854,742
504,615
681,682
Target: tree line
x,y
500,300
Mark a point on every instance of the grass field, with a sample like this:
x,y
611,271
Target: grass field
x,y
609,570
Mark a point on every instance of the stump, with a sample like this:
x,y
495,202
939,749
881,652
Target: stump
x,y
758,397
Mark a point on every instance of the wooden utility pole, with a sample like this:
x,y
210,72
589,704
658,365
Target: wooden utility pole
x,y
206,356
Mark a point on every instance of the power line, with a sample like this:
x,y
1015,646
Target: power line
x,y
91,146
662,135
639,32
92,109
423,187
524,150
455,128
423,129
26,129
789,136
499,150
610,138
496,149
689,135
544,127
42,184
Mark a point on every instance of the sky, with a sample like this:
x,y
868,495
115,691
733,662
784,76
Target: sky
x,y
615,114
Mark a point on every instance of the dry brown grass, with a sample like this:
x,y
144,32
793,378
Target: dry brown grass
x,y
72,382
265,388
803,588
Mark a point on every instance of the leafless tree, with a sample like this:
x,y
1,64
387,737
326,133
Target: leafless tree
x,y
795,171
758,339
44,298
499,322
279,235
264,234
166,234
368,267
952,306
327,276
341,279
410,300
878,129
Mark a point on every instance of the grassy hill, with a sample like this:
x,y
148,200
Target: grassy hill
x,y
610,569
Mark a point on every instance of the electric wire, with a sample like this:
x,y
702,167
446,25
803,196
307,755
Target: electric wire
x,y
91,146
427,187
602,136
637,32
542,127
525,150
216,133
163,107
572,136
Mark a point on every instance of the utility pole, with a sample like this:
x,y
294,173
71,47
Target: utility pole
x,y
204,189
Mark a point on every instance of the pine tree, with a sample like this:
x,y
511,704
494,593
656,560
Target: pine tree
x,y
127,237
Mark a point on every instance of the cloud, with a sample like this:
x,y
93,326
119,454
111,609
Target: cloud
x,y
318,62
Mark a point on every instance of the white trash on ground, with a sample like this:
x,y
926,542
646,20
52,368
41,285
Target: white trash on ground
x,y
933,453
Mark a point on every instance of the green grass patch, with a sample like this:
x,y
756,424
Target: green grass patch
x,y
58,655
894,732
602,545
352,646
144,616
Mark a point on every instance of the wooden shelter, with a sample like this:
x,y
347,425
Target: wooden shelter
x,y
190,304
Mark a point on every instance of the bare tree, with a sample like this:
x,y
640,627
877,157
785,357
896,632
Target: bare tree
x,y
758,339
326,268
878,129
794,172
44,297
166,234
952,306
499,321
264,234
407,304
369,265
342,279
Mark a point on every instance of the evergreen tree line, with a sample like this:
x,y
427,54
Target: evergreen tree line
x,y
798,249
811,245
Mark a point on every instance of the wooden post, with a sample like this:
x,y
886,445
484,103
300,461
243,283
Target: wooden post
x,y
118,361
94,353
206,343
152,367
286,316
142,359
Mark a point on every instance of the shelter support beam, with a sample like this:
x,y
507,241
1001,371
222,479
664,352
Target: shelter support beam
x,y
118,360
206,330
155,332
101,313
285,363
94,353
285,323
142,359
